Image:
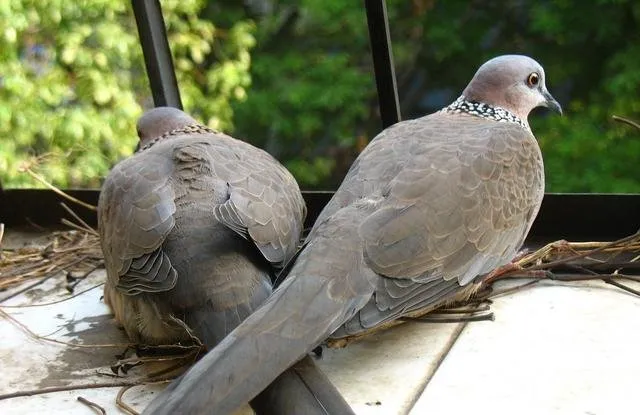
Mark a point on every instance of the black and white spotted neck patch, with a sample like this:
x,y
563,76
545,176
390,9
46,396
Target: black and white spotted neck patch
x,y
463,106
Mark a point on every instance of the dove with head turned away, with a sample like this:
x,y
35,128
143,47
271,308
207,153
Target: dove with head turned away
x,y
193,227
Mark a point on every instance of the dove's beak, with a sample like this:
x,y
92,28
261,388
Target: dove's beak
x,y
550,102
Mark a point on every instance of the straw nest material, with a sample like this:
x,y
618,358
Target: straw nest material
x,y
73,253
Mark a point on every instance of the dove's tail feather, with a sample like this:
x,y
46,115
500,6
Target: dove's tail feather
x,y
299,315
302,389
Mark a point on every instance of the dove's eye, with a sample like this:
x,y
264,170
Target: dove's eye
x,y
533,79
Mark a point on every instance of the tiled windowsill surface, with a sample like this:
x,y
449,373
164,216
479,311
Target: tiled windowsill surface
x,y
552,349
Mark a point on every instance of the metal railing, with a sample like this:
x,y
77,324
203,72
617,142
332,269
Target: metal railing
x,y
162,77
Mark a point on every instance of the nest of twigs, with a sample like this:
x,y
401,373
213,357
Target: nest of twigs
x,y
611,262
74,253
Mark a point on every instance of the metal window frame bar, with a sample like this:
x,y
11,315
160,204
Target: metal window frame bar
x,y
157,53
383,66
578,217
164,85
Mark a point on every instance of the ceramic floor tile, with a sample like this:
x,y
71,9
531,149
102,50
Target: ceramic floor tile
x,y
386,372
554,349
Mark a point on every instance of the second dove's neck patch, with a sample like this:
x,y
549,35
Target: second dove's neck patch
x,y
189,129
463,106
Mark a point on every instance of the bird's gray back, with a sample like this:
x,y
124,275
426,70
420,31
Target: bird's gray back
x,y
452,196
164,234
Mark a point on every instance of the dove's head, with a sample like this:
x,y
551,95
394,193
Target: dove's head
x,y
513,82
159,121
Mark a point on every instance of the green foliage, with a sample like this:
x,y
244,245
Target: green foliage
x,y
599,50
313,91
72,82
312,88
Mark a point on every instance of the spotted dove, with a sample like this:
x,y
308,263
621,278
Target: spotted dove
x,y
192,228
429,208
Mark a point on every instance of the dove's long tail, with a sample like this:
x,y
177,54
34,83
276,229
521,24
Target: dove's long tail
x,y
313,302
302,389
248,359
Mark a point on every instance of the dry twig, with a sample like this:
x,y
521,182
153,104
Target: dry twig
x,y
576,261
71,251
626,121
98,385
26,168
92,405
46,339
121,404
84,224
77,250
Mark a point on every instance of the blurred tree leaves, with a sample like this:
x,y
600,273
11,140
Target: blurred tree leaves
x,y
312,87
313,98
72,81
295,77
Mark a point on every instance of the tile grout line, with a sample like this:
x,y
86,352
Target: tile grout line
x,y
454,338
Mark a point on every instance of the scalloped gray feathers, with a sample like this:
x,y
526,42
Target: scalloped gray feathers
x,y
167,216
455,207
427,209
135,214
193,228
261,202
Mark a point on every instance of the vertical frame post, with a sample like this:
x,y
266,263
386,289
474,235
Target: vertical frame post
x,y
383,66
157,54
